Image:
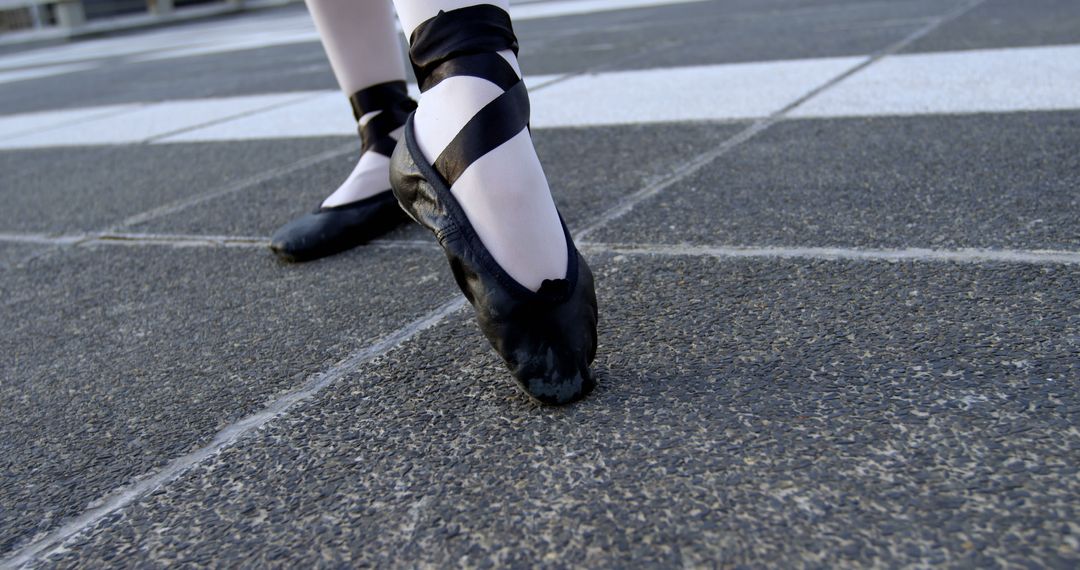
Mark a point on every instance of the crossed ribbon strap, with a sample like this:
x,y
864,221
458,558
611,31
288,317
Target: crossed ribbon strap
x,y
393,102
464,42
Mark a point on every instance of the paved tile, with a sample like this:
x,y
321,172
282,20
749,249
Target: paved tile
x,y
749,412
1003,181
88,188
115,360
1004,23
763,412
587,169
13,253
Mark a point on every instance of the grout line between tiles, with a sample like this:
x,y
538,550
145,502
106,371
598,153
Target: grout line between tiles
x,y
960,255
912,254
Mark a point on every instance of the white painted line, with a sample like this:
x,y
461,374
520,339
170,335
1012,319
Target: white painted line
x,y
1005,80
556,8
141,42
912,254
91,50
963,255
251,41
39,72
143,123
42,239
991,81
717,92
31,123
710,92
322,114
120,498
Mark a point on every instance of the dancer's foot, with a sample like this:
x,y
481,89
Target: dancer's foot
x,y
467,170
362,208
504,192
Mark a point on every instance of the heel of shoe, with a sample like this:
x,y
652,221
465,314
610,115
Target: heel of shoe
x,y
331,230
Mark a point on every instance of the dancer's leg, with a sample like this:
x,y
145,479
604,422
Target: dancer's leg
x,y
361,41
504,193
364,50
466,170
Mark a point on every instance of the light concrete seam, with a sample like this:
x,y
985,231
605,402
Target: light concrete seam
x,y
911,254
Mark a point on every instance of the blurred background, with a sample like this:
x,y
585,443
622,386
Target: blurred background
x,y
37,15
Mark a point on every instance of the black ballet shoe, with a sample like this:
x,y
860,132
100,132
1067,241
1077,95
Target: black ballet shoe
x,y
328,231
548,337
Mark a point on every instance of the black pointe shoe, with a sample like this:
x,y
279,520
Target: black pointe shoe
x,y
547,338
328,231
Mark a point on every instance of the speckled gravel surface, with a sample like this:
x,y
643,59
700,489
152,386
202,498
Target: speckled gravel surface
x,y
106,374
11,254
749,412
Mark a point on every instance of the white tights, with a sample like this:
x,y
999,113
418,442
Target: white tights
x,y
505,193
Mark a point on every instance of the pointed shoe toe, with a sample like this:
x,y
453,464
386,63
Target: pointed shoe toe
x,y
549,356
328,231
547,338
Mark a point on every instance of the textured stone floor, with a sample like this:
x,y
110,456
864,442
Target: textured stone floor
x,y
846,341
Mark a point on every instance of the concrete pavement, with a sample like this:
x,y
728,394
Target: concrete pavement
x,y
778,386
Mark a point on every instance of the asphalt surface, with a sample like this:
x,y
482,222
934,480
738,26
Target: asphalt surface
x,y
751,411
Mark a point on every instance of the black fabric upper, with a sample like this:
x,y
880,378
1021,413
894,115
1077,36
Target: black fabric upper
x,y
465,42
546,338
392,99
480,29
